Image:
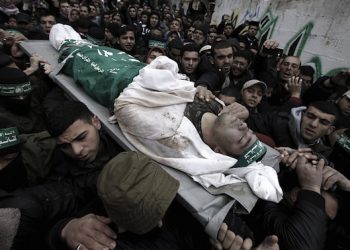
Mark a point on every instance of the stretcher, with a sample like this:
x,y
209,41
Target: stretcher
x,y
209,210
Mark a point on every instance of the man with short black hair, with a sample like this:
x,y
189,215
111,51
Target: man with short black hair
x,y
126,39
216,72
46,21
303,127
249,39
189,61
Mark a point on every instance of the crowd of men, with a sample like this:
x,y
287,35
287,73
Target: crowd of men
x,y
57,163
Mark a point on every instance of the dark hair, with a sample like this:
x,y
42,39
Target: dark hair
x,y
307,70
326,107
47,13
220,45
126,28
113,28
246,54
65,114
190,47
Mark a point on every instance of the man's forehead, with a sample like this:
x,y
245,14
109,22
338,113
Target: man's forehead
x,y
320,113
192,54
224,51
292,59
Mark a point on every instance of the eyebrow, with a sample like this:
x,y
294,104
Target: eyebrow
x,y
79,136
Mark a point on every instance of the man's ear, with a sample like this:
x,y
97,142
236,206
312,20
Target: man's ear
x,y
211,59
118,41
331,129
217,149
96,122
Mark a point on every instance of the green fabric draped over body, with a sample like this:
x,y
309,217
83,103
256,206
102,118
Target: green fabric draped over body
x,y
103,72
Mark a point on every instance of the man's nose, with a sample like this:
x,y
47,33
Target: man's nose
x,y
314,123
76,148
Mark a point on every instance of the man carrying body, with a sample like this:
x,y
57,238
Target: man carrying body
x,y
303,127
216,72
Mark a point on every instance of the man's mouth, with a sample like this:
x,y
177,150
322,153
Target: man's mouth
x,y
309,131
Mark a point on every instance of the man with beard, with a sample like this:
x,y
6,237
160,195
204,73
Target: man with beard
x,y
216,72
20,101
239,74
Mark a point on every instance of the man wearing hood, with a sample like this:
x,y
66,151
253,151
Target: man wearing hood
x,y
304,127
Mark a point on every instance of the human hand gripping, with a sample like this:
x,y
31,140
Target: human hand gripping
x,y
228,240
289,156
204,93
310,174
268,45
332,177
294,86
237,110
89,232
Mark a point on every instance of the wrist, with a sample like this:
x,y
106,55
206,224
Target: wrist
x,y
295,95
64,230
316,189
30,70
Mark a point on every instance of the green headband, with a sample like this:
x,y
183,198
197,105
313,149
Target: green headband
x,y
8,137
156,44
15,89
344,142
252,154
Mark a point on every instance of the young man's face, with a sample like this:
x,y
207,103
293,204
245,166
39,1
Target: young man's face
x,y
46,23
127,41
289,67
228,30
84,11
316,124
239,66
144,19
252,31
65,8
175,26
252,96
211,37
153,55
344,105
236,137
154,21
190,61
116,19
223,59
81,140
132,12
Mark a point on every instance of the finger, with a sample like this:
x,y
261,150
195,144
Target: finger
x,y
228,240
247,244
293,157
215,244
320,164
103,219
302,150
222,232
90,243
270,241
237,243
301,161
104,235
